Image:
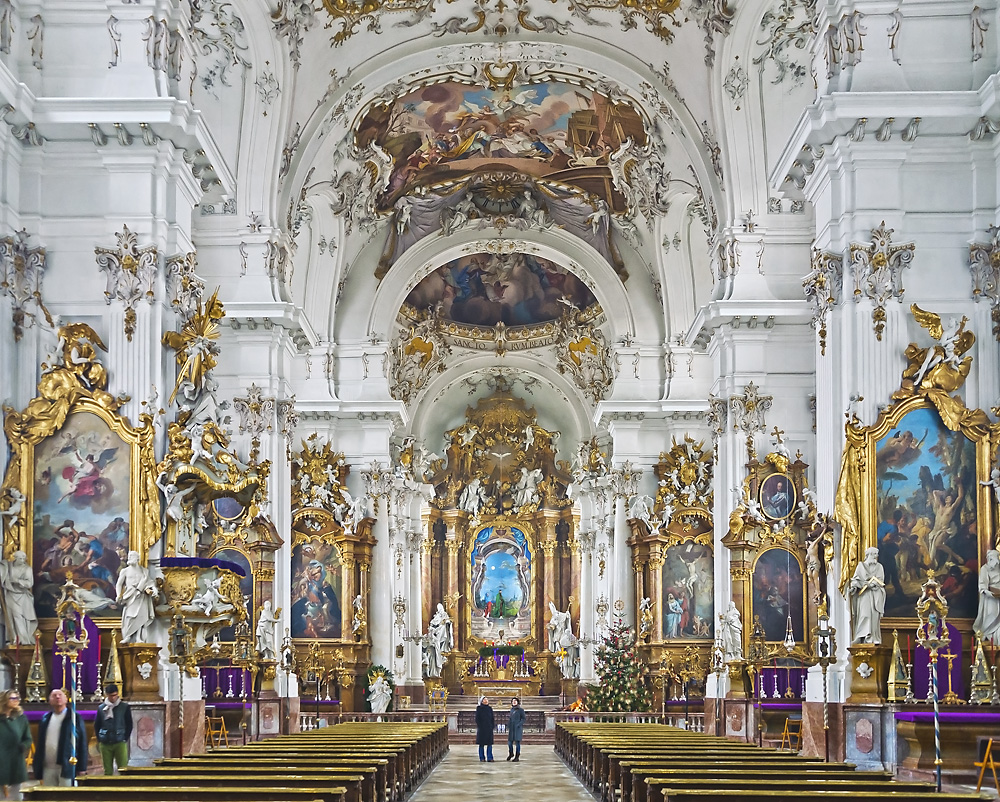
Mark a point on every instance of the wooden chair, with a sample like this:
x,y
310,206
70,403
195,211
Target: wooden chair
x,y
216,734
987,763
792,734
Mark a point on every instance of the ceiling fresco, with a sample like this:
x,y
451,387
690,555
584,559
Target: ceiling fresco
x,y
550,129
485,289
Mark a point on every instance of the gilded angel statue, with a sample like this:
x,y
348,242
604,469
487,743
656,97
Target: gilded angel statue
x,y
195,344
940,364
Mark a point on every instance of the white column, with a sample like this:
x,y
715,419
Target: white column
x,y
414,670
379,587
587,615
623,586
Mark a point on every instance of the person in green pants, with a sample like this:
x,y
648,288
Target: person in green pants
x,y
113,727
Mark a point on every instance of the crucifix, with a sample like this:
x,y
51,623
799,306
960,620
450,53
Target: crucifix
x,y
777,434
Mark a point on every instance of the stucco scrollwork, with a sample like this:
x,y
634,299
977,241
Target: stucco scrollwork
x,y
878,272
131,274
583,354
823,287
21,271
984,262
417,354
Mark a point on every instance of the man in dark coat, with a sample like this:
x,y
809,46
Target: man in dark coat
x,y
515,729
56,749
113,728
484,729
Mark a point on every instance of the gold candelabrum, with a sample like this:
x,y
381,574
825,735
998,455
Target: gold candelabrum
x,y
932,634
245,657
182,654
71,638
824,653
289,666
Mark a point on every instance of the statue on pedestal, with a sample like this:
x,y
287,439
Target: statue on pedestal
x,y
731,627
867,594
988,621
564,643
19,601
135,592
379,694
264,635
440,640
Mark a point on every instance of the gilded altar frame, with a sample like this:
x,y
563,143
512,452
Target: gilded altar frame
x,y
47,415
857,494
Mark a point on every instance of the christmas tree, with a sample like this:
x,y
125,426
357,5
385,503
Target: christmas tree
x,y
622,687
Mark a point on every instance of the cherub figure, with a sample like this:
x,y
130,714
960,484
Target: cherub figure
x,y
954,342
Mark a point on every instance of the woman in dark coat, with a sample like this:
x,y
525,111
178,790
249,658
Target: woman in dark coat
x,y
484,729
15,741
515,729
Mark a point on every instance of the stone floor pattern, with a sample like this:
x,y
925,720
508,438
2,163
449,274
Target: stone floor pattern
x,y
540,774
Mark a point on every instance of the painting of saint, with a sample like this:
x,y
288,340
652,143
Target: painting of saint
x,y
688,592
777,594
501,584
316,591
777,496
228,634
925,478
449,129
485,289
81,514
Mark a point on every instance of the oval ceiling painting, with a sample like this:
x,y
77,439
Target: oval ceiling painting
x,y
485,289
554,130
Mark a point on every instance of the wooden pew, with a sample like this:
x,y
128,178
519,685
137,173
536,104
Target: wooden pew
x,y
201,793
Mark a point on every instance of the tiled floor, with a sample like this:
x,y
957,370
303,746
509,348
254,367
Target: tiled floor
x,y
539,775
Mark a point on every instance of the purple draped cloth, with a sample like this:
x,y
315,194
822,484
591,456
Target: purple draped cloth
x,y
922,668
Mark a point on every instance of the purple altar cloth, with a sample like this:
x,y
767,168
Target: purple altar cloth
x,y
922,668
89,659
955,716
786,677
225,678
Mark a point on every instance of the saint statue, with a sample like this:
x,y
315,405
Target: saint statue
x,y
988,621
135,592
564,643
266,627
867,592
440,640
19,600
379,694
732,633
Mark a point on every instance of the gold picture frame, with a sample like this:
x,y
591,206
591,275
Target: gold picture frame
x,y
74,426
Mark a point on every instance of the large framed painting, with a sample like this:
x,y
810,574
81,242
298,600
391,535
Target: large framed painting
x,y
926,513
778,592
911,486
688,592
317,591
501,582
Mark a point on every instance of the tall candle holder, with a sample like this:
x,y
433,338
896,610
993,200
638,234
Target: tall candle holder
x,y
71,638
932,634
909,699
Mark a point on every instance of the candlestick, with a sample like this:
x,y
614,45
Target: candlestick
x,y
909,657
775,695
229,693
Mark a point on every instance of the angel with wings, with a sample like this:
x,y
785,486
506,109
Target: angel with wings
x,y
954,342
83,477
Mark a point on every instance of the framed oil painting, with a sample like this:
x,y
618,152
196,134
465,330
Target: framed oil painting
x,y
82,509
688,592
501,588
237,556
778,592
777,496
926,513
317,591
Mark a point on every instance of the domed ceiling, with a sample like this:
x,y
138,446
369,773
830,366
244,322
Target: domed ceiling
x,y
485,289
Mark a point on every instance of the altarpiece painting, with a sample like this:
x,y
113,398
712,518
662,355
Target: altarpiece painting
x,y
501,583
778,592
688,591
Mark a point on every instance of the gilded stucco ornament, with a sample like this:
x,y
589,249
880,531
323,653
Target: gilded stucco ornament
x,y
583,354
76,382
823,288
984,262
319,480
684,475
416,355
195,344
131,272
878,272
21,270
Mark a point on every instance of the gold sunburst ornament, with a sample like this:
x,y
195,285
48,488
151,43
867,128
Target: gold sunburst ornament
x,y
195,344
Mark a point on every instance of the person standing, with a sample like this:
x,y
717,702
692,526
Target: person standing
x,y
56,745
15,741
484,730
113,728
515,730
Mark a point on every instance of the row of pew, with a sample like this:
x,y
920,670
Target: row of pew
x,y
354,762
656,763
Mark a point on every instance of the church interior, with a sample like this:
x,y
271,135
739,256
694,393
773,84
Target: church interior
x,y
329,406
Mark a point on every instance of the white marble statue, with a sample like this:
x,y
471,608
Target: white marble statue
x,y
988,620
994,482
267,625
440,641
564,643
731,629
379,694
472,497
645,618
359,614
135,592
867,593
526,490
18,599
8,517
